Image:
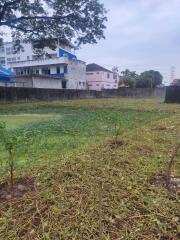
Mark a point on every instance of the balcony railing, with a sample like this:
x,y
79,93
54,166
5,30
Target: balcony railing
x,y
39,62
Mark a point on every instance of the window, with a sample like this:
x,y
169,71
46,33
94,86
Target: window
x,y
37,57
46,71
2,61
28,58
79,83
17,72
2,49
58,70
64,84
31,71
9,50
50,56
89,73
37,71
84,83
65,69
11,59
108,75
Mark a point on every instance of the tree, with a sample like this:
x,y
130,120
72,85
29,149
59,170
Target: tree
x,y
115,69
10,144
149,79
46,22
129,78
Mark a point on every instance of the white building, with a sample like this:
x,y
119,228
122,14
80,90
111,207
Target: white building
x,y
99,78
61,64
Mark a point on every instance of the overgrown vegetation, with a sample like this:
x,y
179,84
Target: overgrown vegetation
x,y
77,186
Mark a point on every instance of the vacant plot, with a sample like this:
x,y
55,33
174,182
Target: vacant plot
x,y
91,169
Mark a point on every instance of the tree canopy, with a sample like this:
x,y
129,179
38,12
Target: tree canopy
x,y
45,22
129,78
147,79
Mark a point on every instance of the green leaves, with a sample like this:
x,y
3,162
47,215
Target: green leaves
x,y
147,79
44,22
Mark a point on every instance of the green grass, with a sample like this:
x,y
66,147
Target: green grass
x,y
86,188
14,121
66,129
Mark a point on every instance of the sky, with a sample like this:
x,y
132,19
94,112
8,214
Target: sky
x,y
140,35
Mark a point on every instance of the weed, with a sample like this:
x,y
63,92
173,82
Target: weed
x,y
10,144
84,188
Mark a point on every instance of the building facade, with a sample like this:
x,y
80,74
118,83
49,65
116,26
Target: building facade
x,y
99,78
61,64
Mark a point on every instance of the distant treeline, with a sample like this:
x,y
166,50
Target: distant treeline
x,y
147,79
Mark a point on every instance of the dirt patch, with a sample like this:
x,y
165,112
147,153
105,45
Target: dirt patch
x,y
159,128
160,181
21,186
116,143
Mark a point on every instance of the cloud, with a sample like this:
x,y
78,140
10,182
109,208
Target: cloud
x,y
141,33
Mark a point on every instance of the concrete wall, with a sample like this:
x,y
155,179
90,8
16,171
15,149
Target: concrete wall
x,y
9,94
38,82
136,92
172,94
12,94
47,83
76,75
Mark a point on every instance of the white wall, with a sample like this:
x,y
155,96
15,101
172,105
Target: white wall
x,y
39,82
26,53
47,83
76,75
101,80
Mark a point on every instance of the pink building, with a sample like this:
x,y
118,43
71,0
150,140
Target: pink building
x,y
99,78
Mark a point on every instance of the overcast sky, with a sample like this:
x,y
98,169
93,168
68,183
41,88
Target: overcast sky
x,y
140,35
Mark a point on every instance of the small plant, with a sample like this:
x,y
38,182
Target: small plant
x,y
10,145
117,132
170,166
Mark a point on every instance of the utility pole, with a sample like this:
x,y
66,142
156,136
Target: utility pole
x,y
172,73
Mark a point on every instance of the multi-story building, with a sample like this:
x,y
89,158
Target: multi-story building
x,y
60,64
99,78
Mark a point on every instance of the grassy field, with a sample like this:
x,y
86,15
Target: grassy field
x,y
84,185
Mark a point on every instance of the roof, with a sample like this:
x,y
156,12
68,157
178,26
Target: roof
x,y
5,71
175,82
93,67
6,75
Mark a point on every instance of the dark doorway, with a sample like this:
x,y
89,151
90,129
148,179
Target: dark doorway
x,y
64,83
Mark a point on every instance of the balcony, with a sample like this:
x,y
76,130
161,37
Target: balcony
x,y
59,75
40,62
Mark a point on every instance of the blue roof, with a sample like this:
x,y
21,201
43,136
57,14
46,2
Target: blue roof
x,y
6,74
6,71
63,52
